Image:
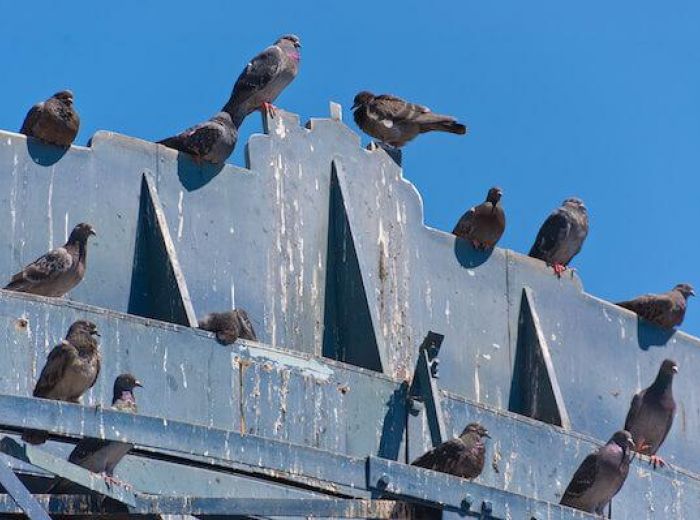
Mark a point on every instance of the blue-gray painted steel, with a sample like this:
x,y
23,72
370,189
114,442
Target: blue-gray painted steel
x,y
260,238
21,496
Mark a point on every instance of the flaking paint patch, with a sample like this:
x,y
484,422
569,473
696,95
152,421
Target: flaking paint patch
x,y
308,367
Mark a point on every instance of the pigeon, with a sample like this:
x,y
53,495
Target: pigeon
x,y
229,326
264,78
71,368
395,121
561,236
59,270
651,413
601,475
211,141
483,225
666,310
98,455
54,121
462,456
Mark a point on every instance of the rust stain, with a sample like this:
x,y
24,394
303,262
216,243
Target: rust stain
x,y
21,324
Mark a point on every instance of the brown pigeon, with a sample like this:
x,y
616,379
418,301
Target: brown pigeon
x,y
59,270
99,455
667,310
462,456
395,121
651,413
211,141
562,235
54,121
483,225
71,368
600,476
264,78
229,326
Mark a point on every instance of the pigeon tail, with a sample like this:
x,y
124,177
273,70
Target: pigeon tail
x,y
172,142
35,436
442,124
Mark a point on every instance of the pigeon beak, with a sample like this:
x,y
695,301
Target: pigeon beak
x,y
138,383
675,369
95,333
93,232
692,292
354,106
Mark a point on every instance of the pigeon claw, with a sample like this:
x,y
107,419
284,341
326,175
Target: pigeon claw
x,y
558,269
269,109
656,461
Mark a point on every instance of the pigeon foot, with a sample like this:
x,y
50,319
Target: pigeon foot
x,y
114,481
657,461
558,269
269,108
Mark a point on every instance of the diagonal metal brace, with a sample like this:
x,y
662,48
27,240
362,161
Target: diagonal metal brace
x,y
62,468
424,386
20,494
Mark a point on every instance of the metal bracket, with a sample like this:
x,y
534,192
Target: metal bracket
x,y
62,468
424,388
20,494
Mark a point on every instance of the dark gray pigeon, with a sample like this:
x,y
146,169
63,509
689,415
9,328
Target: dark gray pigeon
x,y
462,456
561,236
667,310
395,121
483,225
54,121
264,78
71,369
601,475
229,326
651,413
98,455
211,141
59,270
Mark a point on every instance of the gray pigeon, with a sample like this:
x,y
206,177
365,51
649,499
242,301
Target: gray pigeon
x,y
71,369
462,456
483,225
651,413
54,121
561,236
601,475
211,141
667,310
229,326
264,78
59,270
98,455
395,121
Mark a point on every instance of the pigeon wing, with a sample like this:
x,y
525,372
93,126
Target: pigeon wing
x,y
464,226
583,478
42,269
202,138
552,232
31,119
443,458
391,107
633,412
651,307
54,369
257,74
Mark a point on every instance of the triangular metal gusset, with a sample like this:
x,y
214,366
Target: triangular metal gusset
x,y
535,390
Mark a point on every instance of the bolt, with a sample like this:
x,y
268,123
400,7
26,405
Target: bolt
x,y
434,367
383,481
487,507
467,502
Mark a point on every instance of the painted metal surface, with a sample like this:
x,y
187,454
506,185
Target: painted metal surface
x,y
323,243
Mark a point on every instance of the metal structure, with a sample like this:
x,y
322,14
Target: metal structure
x,y
352,296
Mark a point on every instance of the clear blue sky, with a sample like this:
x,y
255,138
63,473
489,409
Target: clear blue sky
x,y
596,99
